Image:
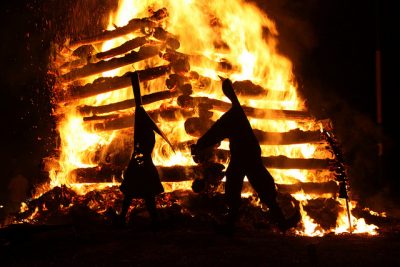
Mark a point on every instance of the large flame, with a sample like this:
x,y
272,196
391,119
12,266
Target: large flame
x,y
211,32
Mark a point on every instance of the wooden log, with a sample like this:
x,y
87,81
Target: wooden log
x,y
283,162
122,49
218,105
174,56
102,66
119,50
308,188
249,89
103,85
129,103
196,127
132,26
100,174
179,173
166,114
104,117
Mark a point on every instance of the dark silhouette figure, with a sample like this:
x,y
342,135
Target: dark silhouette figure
x,y
245,161
141,178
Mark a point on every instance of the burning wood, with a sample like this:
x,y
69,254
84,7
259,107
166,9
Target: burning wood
x,y
130,103
102,66
166,114
122,49
132,26
179,173
196,127
191,77
188,101
103,85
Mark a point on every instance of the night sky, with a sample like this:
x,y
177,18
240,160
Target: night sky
x,y
331,43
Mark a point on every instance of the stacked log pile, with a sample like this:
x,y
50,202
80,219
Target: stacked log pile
x,y
178,100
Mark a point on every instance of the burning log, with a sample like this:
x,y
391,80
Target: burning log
x,y
165,114
330,187
283,162
173,56
103,174
176,173
179,173
104,117
103,85
122,49
102,66
146,99
132,26
248,88
309,188
196,127
188,101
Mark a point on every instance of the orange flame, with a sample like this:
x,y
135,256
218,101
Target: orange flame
x,y
210,32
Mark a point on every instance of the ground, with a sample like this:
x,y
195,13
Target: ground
x,y
193,246
80,236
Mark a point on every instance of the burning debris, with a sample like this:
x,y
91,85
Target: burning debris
x,y
178,63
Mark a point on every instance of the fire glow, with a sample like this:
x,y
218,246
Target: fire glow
x,y
235,40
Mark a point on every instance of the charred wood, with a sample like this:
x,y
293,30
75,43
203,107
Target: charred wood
x,y
102,66
103,85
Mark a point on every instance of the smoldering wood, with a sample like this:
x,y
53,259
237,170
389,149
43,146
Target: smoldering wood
x,y
196,127
103,65
218,105
132,26
129,103
108,84
161,115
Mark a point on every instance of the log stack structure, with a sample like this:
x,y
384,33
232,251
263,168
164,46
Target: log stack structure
x,y
180,97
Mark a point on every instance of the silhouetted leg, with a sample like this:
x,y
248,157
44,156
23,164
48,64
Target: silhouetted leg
x,y
233,190
152,209
126,203
264,184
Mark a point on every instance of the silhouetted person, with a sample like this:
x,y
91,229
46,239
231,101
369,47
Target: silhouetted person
x,y
245,161
141,179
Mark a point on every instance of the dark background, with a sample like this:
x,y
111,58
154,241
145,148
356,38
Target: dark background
x,y
331,43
